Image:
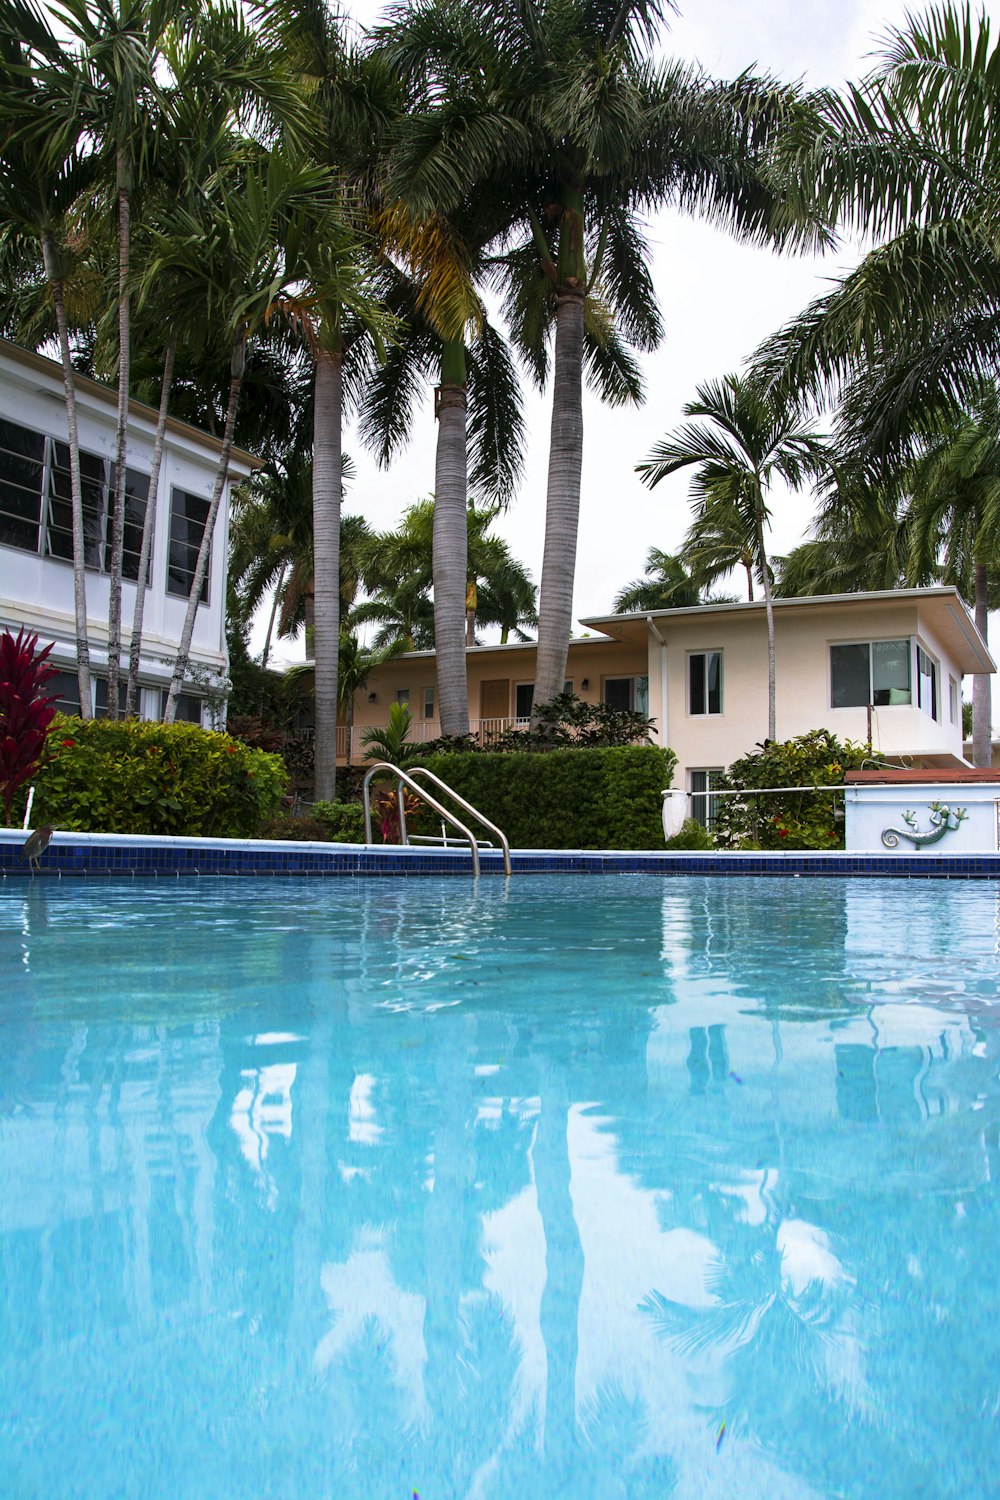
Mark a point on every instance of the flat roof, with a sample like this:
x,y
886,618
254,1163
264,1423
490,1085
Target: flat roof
x,y
108,394
951,616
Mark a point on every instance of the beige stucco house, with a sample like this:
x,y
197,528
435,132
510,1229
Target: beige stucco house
x,y
895,660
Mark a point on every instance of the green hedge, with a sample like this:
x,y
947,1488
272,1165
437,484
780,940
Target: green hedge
x,y
131,776
342,822
566,799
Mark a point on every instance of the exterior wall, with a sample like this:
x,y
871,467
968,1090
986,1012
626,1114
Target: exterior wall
x,y
590,660
804,636
802,645
37,591
874,810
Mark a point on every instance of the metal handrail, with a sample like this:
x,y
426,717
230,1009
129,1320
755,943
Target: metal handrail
x,y
468,807
401,778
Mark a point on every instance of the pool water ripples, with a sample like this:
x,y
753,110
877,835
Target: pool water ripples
x,y
569,1187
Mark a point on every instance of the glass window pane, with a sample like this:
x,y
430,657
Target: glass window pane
x,y
60,528
704,807
65,687
641,702
890,672
188,707
188,515
696,682
21,467
524,693
927,685
428,703
618,692
714,674
136,496
850,676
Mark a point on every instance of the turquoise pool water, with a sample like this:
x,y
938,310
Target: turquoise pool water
x,y
589,1187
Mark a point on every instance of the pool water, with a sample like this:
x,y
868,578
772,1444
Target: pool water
x,y
574,1187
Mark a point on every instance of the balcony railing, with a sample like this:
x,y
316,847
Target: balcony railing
x,y
486,731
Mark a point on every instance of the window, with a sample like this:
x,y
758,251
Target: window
x,y
704,807
870,672
403,697
705,682
65,686
953,699
188,515
33,469
927,693
524,695
630,693
188,707
428,703
22,456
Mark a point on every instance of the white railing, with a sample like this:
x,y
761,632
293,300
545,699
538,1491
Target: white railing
x,y
486,731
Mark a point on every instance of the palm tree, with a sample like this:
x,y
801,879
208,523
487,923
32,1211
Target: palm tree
x,y
907,158
715,545
44,173
557,107
955,525
667,585
224,257
746,437
477,402
356,665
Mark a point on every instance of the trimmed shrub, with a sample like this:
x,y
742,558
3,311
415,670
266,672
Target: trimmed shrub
x,y
342,822
792,820
563,799
130,776
287,825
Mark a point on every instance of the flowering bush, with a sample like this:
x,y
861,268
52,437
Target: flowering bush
x,y
26,712
788,820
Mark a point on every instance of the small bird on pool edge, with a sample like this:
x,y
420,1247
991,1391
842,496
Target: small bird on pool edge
x,y
35,846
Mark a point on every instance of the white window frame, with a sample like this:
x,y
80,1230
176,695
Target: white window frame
x,y
954,713
704,808
706,713
871,641
178,593
934,710
428,702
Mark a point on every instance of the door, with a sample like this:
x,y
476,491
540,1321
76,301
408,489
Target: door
x,y
494,705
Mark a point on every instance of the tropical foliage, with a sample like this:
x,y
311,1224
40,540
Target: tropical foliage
x,y
787,820
26,711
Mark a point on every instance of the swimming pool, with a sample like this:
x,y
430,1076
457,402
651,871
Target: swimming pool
x,y
565,1187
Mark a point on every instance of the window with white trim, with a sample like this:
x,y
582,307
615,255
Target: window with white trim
x,y
953,699
871,672
927,683
188,709
627,693
188,516
36,501
704,682
428,703
704,807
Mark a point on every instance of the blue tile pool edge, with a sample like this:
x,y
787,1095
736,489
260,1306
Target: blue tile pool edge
x,y
86,854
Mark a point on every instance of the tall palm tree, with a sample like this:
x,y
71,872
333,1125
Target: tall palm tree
x,y
225,260
955,524
44,170
558,107
715,545
908,158
745,438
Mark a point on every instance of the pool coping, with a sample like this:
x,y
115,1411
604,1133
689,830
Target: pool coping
x,y
96,854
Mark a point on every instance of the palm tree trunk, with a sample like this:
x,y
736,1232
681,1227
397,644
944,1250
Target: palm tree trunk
x,y
451,541
749,568
765,574
121,452
201,566
982,712
327,491
266,652
148,530
51,260
562,505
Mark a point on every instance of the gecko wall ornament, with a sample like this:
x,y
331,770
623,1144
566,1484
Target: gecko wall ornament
x,y
942,819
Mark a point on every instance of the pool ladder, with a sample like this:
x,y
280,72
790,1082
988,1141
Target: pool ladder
x,y
412,779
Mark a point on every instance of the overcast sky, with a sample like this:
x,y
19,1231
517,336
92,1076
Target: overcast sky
x,y
719,301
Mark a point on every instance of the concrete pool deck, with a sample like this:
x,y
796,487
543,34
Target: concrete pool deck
x,y
107,854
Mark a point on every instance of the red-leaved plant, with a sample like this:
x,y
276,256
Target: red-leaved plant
x,y
25,711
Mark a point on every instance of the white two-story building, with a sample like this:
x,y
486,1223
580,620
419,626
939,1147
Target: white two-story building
x,y
36,544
